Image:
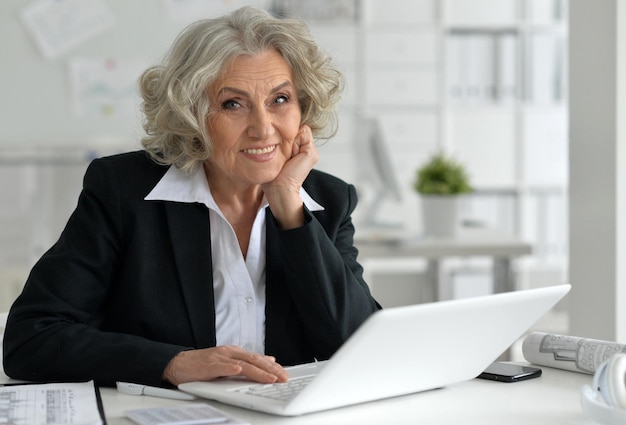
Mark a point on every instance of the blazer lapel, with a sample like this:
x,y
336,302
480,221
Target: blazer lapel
x,y
188,225
277,302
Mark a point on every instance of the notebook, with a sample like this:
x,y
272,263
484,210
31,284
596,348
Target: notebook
x,y
399,351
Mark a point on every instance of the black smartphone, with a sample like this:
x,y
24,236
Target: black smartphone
x,y
507,372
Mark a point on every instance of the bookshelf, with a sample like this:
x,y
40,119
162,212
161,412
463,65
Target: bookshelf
x,y
483,79
505,115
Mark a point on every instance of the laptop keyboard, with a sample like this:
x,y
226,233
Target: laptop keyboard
x,y
278,391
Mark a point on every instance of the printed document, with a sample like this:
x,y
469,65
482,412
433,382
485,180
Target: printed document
x,y
47,404
567,352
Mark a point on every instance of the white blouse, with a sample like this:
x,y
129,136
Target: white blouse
x,y
238,283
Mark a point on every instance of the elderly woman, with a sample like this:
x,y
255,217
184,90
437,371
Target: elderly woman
x,y
218,250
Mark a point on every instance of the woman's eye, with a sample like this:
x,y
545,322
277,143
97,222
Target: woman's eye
x,y
281,99
230,104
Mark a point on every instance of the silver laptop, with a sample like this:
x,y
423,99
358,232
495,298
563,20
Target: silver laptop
x,y
397,351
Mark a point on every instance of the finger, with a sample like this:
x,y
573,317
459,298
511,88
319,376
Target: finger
x,y
300,139
305,136
306,149
268,365
262,369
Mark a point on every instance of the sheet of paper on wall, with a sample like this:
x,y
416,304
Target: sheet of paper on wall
x,y
57,26
191,10
319,10
42,404
105,87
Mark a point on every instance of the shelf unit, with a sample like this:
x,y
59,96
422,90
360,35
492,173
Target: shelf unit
x,y
400,58
514,139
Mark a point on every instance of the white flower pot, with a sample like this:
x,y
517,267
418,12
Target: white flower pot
x,y
441,215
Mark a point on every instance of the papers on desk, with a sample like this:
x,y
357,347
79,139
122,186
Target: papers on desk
x,y
185,414
46,404
567,352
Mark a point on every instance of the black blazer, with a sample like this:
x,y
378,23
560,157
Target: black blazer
x,y
129,283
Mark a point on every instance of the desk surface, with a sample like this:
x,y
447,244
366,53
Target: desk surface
x,y
470,242
553,399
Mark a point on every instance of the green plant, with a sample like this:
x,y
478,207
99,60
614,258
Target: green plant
x,y
442,175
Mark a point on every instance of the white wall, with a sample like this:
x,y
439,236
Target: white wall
x,y
35,105
598,169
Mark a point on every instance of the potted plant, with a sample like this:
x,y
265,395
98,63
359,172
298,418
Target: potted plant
x,y
441,182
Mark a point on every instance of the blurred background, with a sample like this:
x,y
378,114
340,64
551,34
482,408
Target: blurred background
x,y
484,80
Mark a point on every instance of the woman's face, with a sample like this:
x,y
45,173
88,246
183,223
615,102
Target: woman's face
x,y
254,119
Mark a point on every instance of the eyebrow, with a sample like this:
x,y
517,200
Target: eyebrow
x,y
246,94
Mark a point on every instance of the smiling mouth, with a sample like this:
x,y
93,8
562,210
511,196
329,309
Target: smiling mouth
x,y
260,151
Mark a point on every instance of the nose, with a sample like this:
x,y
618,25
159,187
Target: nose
x,y
261,124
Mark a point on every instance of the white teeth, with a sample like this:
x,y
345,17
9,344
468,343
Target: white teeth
x,y
260,151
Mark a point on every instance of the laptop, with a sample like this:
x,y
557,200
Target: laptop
x,y
397,351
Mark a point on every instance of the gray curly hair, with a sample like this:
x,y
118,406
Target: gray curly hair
x,y
175,96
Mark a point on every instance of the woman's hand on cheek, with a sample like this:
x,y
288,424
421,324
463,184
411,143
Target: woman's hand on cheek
x,y
283,194
304,156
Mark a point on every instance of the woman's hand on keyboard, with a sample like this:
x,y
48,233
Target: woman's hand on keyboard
x,y
210,363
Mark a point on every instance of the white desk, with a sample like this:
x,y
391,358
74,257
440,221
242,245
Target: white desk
x,y
551,399
502,248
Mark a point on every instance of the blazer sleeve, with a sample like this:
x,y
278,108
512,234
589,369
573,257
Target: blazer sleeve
x,y
322,274
53,329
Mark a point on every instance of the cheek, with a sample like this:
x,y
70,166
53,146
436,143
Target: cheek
x,y
290,139
215,125
287,150
289,134
223,134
